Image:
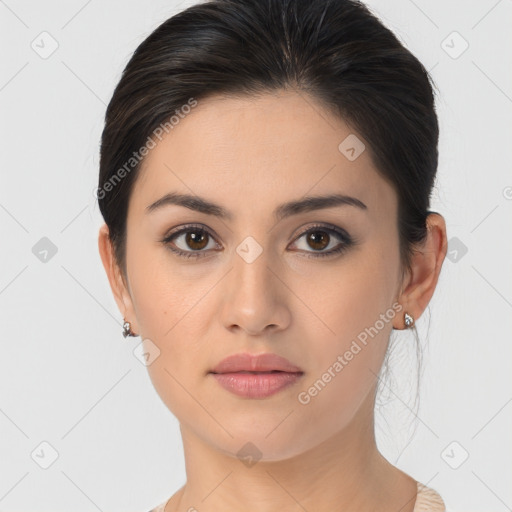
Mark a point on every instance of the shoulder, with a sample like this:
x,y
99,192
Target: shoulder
x,y
428,500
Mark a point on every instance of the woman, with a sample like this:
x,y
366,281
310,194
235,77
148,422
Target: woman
x,y
265,177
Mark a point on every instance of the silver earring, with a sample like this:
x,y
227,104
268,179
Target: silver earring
x,y
127,329
409,320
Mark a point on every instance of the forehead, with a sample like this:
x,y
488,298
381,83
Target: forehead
x,y
260,150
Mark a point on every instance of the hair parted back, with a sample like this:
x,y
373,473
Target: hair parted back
x,y
335,51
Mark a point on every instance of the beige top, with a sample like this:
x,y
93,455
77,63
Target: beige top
x,y
427,500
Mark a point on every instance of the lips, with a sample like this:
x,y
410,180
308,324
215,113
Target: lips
x,y
256,376
248,363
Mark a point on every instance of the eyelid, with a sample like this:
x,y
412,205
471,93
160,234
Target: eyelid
x,y
185,227
322,225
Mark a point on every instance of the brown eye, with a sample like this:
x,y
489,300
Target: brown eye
x,y
318,240
193,241
196,239
190,241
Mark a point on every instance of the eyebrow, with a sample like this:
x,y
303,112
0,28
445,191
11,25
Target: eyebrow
x,y
307,204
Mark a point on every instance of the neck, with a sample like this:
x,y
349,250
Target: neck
x,y
345,470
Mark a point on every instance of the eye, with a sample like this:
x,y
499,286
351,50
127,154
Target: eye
x,y
194,241
320,237
192,237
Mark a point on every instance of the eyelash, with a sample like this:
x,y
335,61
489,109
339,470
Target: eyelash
x,y
347,241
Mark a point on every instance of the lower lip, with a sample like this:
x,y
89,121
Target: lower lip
x,y
256,385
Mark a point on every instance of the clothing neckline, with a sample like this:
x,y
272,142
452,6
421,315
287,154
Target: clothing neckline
x,y
427,500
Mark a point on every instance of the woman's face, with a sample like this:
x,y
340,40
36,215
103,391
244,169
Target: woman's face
x,y
256,283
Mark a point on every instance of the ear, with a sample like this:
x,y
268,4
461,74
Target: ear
x,y
115,277
426,266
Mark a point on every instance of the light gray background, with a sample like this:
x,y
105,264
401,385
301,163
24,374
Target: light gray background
x,y
68,377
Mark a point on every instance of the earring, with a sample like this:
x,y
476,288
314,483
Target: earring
x,y
127,329
409,320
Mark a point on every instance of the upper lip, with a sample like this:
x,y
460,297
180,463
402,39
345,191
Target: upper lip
x,y
255,363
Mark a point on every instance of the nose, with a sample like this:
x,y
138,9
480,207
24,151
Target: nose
x,y
255,298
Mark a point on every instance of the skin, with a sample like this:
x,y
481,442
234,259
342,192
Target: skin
x,y
250,155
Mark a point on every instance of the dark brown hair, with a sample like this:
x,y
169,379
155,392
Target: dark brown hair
x,y
336,51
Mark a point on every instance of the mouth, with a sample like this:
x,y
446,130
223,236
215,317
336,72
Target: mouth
x,y
256,375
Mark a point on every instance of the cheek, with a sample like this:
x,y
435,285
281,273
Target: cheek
x,y
170,303
163,295
353,296
167,306
357,314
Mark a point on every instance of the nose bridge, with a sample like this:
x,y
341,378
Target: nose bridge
x,y
251,274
